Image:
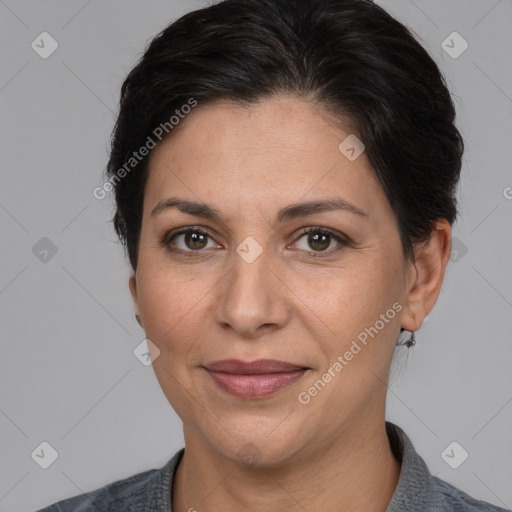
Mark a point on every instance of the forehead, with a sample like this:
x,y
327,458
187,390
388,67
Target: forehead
x,y
278,151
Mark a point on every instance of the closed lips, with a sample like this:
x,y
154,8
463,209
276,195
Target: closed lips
x,y
256,379
261,366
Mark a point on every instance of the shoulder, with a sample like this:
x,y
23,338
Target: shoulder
x,y
446,497
418,490
126,494
148,490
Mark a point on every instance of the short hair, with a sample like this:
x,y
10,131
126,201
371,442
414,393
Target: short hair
x,y
349,56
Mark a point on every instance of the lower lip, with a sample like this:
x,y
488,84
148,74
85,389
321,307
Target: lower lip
x,y
255,386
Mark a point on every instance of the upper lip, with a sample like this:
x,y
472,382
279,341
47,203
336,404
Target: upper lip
x,y
260,366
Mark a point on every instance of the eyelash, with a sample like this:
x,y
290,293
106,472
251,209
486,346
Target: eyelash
x,y
167,239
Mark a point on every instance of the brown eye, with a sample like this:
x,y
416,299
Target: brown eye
x,y
320,239
187,240
195,240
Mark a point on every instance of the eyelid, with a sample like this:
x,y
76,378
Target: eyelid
x,y
166,239
342,240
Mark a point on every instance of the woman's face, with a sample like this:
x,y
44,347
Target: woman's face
x,y
256,287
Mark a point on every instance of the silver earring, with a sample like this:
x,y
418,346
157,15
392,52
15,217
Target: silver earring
x,y
409,343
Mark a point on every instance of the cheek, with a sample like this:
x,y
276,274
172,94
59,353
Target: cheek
x,y
174,321
178,310
362,321
350,306
168,306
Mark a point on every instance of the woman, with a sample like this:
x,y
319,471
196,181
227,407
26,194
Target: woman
x,y
285,175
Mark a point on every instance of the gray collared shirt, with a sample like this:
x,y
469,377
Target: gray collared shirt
x,y
151,491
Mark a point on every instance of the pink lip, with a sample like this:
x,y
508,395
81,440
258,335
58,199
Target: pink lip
x,y
257,385
254,379
252,367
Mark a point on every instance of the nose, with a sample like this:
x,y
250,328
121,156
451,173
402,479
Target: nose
x,y
252,299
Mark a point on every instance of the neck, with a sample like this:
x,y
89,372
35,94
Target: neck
x,y
356,471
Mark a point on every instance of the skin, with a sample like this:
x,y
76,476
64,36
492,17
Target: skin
x,y
287,304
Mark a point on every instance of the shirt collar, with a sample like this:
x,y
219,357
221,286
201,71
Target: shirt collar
x,y
160,486
411,492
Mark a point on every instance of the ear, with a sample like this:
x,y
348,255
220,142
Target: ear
x,y
132,283
427,275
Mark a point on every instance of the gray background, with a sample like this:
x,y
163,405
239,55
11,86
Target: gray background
x,y
68,375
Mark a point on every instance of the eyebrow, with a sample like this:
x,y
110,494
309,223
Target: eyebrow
x,y
287,213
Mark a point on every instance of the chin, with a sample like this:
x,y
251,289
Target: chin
x,y
258,444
